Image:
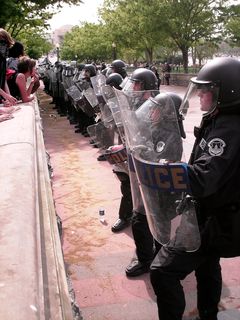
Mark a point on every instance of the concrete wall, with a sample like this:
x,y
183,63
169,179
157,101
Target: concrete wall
x,y
32,275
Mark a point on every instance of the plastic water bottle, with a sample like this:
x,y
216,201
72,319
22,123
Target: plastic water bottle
x,y
102,215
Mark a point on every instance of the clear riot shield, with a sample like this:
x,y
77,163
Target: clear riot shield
x,y
119,154
75,94
82,84
155,145
115,154
68,77
91,97
89,94
113,106
102,136
86,106
92,133
98,82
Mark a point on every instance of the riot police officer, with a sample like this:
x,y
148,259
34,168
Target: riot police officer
x,y
141,80
118,66
84,119
89,70
121,171
114,80
212,169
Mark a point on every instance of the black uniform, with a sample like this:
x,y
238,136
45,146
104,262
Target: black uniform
x,y
213,171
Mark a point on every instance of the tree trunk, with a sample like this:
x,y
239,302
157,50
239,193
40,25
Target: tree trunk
x,y
149,55
185,59
194,56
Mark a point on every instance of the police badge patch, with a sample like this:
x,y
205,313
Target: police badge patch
x,y
216,147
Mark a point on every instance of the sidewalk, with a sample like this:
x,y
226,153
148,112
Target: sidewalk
x,y
96,257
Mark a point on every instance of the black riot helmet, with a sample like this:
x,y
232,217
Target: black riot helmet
x,y
118,66
109,71
145,78
114,80
91,69
80,66
216,87
223,73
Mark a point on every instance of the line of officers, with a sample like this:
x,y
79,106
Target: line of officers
x,y
77,93
88,97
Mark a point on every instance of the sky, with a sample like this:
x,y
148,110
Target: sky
x,y
73,15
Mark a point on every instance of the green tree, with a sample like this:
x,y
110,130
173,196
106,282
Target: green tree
x,y
203,50
189,21
147,25
133,24
87,42
233,25
35,43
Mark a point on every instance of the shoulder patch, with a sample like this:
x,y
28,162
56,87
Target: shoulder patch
x,y
216,147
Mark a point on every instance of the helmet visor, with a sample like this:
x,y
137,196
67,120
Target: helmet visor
x,y
200,97
132,85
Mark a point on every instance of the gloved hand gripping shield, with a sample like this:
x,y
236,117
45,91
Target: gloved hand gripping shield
x,y
155,144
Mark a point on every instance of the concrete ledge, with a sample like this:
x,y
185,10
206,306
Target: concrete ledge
x,y
32,274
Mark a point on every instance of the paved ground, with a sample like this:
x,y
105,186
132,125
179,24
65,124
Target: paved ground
x,y
96,258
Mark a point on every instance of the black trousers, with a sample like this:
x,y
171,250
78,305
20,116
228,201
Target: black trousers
x,y
170,267
126,205
146,246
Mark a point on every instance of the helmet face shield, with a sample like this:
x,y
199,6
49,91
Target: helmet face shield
x,y
132,85
200,96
